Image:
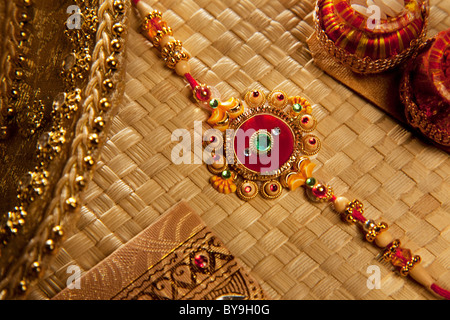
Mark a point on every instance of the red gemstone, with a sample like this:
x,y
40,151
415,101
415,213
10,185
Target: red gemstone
x,y
280,97
212,139
255,94
203,94
312,141
201,261
273,187
305,120
248,189
281,151
319,192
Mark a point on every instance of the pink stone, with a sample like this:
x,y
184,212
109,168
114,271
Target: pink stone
x,y
273,187
203,94
280,97
201,261
320,192
248,189
312,141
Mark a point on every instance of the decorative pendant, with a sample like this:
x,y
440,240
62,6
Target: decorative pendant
x,y
260,144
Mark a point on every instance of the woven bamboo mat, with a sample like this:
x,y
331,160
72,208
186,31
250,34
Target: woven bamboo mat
x,y
295,248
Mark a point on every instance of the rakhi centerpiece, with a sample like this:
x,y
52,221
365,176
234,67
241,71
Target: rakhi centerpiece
x,y
260,144
371,36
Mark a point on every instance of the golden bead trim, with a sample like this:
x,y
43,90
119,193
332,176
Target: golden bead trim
x,y
390,250
352,206
26,113
276,194
82,152
375,230
172,53
151,15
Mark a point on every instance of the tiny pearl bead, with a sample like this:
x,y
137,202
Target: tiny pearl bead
x,y
340,204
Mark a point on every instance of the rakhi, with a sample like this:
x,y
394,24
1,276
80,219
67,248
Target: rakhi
x,y
253,131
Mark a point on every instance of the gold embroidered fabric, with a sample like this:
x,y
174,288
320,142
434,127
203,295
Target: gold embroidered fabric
x,y
177,257
59,62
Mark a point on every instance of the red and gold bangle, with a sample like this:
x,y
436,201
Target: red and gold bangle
x,y
281,125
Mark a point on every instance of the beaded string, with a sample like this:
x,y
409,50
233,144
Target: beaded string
x,y
177,58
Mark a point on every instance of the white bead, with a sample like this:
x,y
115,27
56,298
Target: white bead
x,y
420,274
165,40
182,67
340,204
143,8
383,239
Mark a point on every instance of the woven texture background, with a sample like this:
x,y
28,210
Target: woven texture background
x,y
295,248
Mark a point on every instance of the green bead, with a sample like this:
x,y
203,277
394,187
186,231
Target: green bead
x,y
310,182
297,107
214,103
226,174
263,142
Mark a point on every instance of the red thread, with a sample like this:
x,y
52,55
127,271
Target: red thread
x,y
440,291
191,80
358,216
